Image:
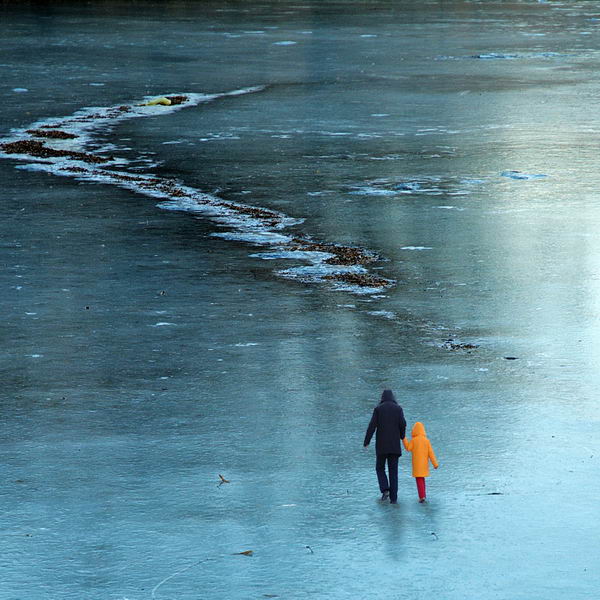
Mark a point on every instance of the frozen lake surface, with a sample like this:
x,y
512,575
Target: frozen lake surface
x,y
154,340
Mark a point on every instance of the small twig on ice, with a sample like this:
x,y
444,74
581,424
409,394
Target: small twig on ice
x,y
223,480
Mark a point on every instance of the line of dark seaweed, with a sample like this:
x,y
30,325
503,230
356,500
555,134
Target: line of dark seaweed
x,y
342,255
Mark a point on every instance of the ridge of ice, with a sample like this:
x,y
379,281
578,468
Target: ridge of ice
x,y
254,225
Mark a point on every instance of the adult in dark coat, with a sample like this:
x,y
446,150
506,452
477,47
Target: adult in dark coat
x,y
388,420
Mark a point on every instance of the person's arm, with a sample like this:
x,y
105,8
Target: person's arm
x,y
432,457
371,428
402,424
407,445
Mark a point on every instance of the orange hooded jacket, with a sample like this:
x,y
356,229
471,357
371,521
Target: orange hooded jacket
x,y
421,450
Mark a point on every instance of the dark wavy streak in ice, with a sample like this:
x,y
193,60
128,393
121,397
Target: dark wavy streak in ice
x,y
63,147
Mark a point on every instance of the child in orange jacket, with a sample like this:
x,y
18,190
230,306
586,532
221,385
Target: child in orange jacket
x,y
422,453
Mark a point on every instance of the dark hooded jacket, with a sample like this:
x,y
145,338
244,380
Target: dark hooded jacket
x,y
388,420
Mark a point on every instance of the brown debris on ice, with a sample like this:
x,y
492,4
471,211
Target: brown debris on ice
x,y
52,133
450,344
122,177
360,279
177,99
39,150
270,217
170,188
165,186
343,255
348,256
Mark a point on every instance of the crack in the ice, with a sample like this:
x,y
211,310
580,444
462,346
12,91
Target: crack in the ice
x,y
177,573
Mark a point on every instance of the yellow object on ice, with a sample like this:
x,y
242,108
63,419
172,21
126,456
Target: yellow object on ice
x,y
422,452
162,100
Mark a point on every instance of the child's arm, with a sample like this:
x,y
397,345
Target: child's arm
x,y
432,457
407,445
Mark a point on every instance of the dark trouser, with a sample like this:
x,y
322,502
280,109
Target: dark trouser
x,y
392,486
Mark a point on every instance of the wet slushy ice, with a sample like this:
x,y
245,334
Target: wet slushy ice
x,y
151,348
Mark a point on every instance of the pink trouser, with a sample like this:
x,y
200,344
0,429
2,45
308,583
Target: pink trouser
x,y
421,486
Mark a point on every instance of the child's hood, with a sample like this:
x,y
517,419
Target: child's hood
x,y
418,429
